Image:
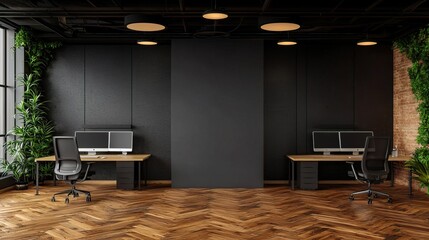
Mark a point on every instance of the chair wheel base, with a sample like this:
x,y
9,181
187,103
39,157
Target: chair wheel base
x,y
351,198
389,200
53,199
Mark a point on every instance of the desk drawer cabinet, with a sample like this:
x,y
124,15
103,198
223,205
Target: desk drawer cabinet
x,y
126,175
308,175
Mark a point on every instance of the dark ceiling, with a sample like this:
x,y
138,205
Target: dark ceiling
x,y
103,20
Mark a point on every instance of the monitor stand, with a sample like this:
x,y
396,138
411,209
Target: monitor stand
x,y
124,153
92,153
355,152
326,153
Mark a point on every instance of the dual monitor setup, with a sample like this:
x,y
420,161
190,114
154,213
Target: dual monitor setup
x,y
340,141
104,141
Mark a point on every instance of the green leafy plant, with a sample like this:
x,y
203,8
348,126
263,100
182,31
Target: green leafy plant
x,y
46,170
416,48
20,169
33,138
419,163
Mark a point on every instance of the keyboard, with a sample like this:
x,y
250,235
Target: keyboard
x,y
89,156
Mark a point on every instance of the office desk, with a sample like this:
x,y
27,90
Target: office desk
x,y
341,158
101,158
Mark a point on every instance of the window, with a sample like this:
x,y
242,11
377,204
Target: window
x,y
7,86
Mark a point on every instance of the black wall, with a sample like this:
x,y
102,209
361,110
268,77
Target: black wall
x,y
321,87
305,87
217,113
104,85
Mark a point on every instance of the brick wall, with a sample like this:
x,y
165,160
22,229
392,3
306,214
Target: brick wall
x,y
405,116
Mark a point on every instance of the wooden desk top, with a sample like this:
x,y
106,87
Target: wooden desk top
x,y
337,158
104,158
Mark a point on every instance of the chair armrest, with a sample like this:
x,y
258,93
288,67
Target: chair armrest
x,y
87,170
352,164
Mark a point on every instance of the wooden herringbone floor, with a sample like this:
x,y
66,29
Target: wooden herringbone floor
x,y
160,212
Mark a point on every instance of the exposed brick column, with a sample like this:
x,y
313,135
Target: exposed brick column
x,y
405,116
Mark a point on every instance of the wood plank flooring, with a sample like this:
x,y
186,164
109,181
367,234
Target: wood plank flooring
x,y
160,212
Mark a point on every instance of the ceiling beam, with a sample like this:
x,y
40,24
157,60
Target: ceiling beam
x,y
120,13
51,27
266,5
372,6
117,4
337,6
53,3
182,9
4,6
91,3
8,24
414,6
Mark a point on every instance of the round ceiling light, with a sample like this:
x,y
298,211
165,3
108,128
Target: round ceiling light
x,y
280,26
286,42
143,23
277,25
215,15
366,43
147,42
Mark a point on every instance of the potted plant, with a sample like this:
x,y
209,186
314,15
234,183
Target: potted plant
x,y
33,137
20,170
419,164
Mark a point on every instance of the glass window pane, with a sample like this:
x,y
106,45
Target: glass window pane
x,y
2,57
8,138
10,109
2,110
10,58
19,68
2,156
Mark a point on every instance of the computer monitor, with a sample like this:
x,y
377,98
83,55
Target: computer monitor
x,y
92,141
326,142
121,141
354,141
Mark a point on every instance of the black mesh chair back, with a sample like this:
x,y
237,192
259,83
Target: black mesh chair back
x,y
68,163
68,166
375,165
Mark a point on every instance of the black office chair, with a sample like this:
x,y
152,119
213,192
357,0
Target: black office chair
x,y
375,167
68,166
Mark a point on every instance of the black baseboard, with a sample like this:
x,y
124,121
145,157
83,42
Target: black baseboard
x,y
6,181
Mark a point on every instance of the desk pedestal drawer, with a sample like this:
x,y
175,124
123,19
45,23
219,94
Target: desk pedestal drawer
x,y
126,175
308,175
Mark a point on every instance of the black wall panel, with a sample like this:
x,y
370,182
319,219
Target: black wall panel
x,y
306,87
115,85
374,90
280,108
329,87
108,85
217,113
151,105
330,96
65,90
338,86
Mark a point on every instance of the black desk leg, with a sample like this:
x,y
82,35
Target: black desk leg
x,y
289,172
392,174
145,173
293,175
55,177
37,178
140,175
410,183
